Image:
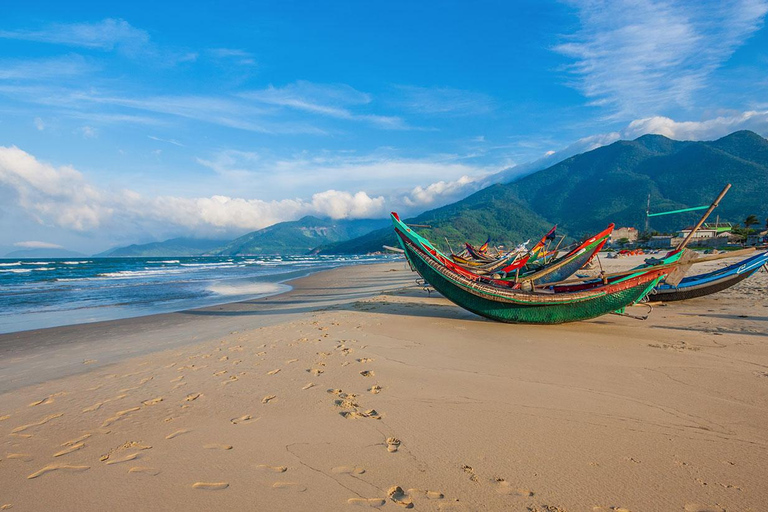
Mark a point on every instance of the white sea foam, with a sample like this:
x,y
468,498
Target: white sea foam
x,y
16,270
164,261
10,264
245,288
75,262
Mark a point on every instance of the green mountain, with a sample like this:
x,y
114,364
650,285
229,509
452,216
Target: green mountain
x,y
586,192
172,247
298,237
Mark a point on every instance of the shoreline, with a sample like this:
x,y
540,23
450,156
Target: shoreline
x,y
21,351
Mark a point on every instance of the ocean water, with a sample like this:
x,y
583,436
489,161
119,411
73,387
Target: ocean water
x,y
55,292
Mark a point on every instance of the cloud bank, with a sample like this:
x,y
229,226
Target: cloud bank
x,y
639,57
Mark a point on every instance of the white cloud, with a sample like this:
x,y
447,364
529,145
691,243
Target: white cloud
x,y
88,132
331,100
39,124
108,34
33,244
169,141
442,101
635,57
62,197
756,121
43,69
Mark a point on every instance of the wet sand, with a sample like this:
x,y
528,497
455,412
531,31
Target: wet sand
x,y
358,389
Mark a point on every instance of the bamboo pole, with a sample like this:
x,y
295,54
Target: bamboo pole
x,y
703,218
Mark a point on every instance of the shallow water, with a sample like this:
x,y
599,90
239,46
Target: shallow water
x,y
54,292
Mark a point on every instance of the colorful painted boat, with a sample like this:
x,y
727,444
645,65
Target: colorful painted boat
x,y
711,282
513,305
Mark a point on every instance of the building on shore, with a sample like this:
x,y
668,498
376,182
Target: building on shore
x,y
628,234
759,238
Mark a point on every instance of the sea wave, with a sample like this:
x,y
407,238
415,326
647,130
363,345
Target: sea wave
x,y
10,264
164,261
16,270
132,274
75,262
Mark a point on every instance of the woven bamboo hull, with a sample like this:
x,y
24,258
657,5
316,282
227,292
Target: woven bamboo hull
x,y
524,307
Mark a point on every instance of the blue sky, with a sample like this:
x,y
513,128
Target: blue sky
x,y
142,121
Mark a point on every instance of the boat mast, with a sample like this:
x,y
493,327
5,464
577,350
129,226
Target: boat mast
x,y
703,218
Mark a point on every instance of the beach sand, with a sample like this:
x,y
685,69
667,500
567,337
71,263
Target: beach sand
x,y
359,390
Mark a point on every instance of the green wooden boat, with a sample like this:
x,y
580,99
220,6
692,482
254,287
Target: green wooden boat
x,y
506,303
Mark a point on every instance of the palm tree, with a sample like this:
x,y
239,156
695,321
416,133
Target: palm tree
x,y
751,221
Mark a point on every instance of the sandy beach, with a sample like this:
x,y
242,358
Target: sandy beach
x,y
358,389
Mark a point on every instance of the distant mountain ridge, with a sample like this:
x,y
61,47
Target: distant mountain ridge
x,y
172,247
586,192
298,237
44,253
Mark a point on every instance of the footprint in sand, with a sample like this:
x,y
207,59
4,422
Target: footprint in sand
x,y
274,469
315,371
399,496
127,458
375,389
211,486
289,361
7,506
3,418
119,415
367,502
216,446
471,472
273,372
393,444
75,441
47,400
43,421
432,495
143,470
177,433
367,373
153,401
97,406
192,397
610,509
696,507
24,457
243,419
348,470
268,399
289,486
505,488
56,467
365,360
309,385
71,449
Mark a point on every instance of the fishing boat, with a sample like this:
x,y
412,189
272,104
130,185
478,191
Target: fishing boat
x,y
517,266
711,282
510,303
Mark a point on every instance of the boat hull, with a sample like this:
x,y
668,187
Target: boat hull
x,y
528,308
713,282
